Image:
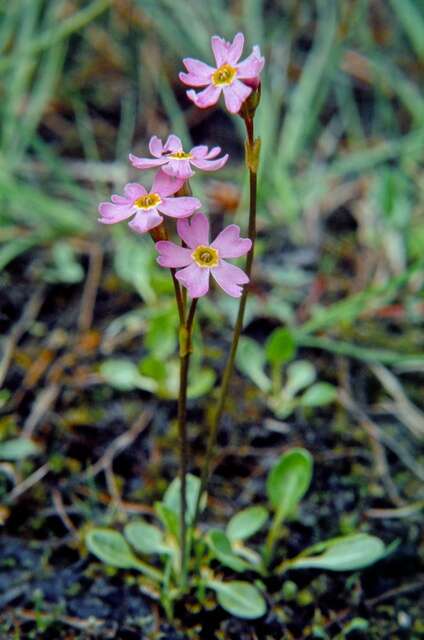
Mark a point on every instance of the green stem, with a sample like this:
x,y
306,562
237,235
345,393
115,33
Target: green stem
x,y
272,537
186,330
179,298
149,571
250,147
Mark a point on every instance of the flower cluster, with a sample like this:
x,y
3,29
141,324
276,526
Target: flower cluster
x,y
197,258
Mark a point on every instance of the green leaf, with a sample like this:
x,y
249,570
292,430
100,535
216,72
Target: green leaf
x,y
393,198
168,518
4,397
300,374
289,480
246,523
18,449
133,257
221,548
200,383
282,405
250,360
65,267
346,553
153,368
239,598
412,20
280,347
319,394
123,375
145,538
310,89
356,624
162,337
172,497
112,548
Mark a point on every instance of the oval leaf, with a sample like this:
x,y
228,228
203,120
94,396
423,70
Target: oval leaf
x,y
347,553
220,546
246,523
280,347
172,497
289,480
300,374
239,598
200,383
319,395
111,548
168,518
145,538
18,449
250,360
123,375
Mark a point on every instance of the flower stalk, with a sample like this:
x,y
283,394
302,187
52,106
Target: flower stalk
x,y
186,332
252,149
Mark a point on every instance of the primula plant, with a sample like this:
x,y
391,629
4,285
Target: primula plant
x,y
287,385
174,554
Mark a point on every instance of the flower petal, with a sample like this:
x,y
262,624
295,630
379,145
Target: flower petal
x,y
251,66
145,220
146,163
210,165
155,146
171,255
165,185
220,50
235,49
229,243
229,277
173,144
235,94
178,169
195,231
191,80
198,68
134,191
120,199
205,98
111,213
179,207
200,151
195,279
215,151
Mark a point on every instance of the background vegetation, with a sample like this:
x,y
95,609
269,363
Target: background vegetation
x,y
340,264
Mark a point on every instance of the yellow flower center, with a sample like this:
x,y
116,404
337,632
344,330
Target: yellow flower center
x,y
205,257
180,155
149,201
224,75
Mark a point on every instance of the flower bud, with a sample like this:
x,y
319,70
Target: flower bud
x,y
251,103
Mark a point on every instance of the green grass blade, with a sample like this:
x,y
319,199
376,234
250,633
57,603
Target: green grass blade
x,y
321,60
412,20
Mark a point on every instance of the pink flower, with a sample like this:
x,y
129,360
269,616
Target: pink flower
x,y
202,259
236,79
145,205
173,160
